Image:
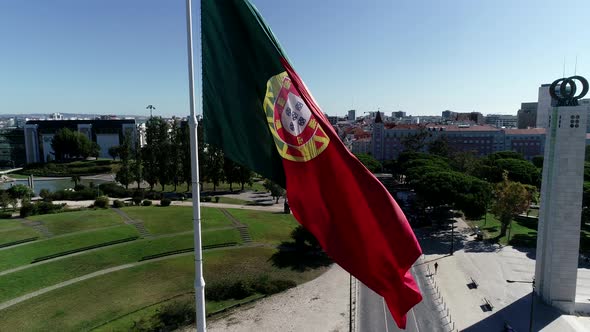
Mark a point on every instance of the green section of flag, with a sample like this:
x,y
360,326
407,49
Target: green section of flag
x,y
239,56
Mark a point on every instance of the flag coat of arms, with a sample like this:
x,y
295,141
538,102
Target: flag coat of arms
x,y
258,110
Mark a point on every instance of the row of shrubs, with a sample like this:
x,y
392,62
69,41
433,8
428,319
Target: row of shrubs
x,y
114,190
182,313
210,198
79,193
69,169
136,201
41,207
240,289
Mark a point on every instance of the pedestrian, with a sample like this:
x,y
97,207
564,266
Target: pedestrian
x,y
435,267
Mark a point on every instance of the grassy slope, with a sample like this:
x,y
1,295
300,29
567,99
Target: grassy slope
x,y
523,233
113,295
9,223
266,227
21,255
44,275
175,219
67,222
8,236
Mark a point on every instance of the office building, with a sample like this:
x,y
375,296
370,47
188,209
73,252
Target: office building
x,y
527,115
106,133
12,147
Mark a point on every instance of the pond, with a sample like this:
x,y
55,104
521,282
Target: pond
x,y
52,184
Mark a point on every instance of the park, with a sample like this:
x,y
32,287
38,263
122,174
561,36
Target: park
x,y
110,268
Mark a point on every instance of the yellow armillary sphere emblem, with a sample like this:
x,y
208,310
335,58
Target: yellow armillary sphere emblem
x,y
297,134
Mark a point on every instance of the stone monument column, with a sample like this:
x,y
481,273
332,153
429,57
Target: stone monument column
x,y
558,238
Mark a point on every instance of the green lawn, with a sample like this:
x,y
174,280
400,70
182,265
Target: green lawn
x,y
44,275
182,188
116,294
522,233
175,219
9,223
229,200
8,236
17,176
10,258
265,226
67,222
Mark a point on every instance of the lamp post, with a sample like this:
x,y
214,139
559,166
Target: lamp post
x,y
532,299
151,108
452,236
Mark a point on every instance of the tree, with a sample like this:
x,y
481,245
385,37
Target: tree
x,y
114,152
149,165
504,155
136,165
175,160
94,150
230,171
474,202
20,191
370,163
68,144
466,162
214,160
4,200
155,152
76,179
538,161
520,170
185,153
244,176
124,175
416,142
439,147
276,191
511,198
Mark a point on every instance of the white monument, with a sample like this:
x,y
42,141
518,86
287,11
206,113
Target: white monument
x,y
558,239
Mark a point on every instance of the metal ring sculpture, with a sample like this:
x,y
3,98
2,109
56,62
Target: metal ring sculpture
x,y
565,97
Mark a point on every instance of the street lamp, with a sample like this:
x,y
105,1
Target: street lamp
x,y
151,108
532,298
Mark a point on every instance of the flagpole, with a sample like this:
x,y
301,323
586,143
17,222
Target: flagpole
x,y
199,281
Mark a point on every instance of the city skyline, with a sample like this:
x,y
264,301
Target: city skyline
x,y
422,58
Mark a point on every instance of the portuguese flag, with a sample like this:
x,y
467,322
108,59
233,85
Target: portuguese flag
x,y
260,113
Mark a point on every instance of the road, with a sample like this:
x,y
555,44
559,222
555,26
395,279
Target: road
x,y
373,315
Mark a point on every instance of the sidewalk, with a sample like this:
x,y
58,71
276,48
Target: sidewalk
x,y
490,266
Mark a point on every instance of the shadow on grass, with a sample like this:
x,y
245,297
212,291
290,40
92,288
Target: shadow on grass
x,y
299,258
524,240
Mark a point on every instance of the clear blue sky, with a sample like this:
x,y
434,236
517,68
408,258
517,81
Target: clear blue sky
x,y
422,57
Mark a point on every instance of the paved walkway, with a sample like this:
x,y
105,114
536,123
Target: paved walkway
x,y
489,266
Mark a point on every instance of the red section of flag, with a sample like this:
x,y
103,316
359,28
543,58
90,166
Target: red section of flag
x,y
354,218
